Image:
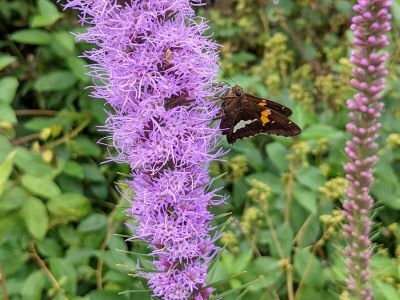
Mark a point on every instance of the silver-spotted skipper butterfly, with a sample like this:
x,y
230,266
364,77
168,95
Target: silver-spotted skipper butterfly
x,y
245,115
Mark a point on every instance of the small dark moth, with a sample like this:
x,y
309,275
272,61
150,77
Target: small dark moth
x,y
245,115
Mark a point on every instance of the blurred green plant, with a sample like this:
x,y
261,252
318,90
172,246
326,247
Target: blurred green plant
x,y
62,221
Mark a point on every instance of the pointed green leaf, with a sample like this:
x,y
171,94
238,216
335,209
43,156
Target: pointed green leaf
x,y
8,88
69,207
65,274
277,155
6,60
7,113
305,197
35,217
41,186
310,177
94,222
31,36
33,286
55,81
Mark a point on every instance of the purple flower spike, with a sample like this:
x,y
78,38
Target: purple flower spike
x,y
369,26
155,68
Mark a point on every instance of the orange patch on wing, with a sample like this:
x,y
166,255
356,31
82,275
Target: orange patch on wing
x,y
262,103
264,116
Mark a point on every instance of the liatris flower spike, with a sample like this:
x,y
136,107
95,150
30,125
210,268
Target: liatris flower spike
x,y
155,68
369,26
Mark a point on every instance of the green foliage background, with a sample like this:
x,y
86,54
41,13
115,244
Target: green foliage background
x,y
62,225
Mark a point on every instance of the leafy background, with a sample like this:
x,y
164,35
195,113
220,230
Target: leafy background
x,y
62,225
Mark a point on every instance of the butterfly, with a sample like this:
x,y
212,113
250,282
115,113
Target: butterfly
x,y
244,115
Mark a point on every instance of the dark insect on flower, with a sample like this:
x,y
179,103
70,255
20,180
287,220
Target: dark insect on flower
x,y
245,115
168,57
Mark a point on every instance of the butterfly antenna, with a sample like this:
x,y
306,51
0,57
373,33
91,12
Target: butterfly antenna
x,y
228,76
226,83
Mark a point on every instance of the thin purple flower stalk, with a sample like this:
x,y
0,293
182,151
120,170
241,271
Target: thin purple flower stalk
x,y
369,25
155,68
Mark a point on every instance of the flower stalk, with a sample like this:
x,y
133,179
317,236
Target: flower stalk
x,y
155,68
369,27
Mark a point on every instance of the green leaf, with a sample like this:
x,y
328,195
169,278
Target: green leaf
x,y
6,168
310,177
319,131
93,173
8,88
7,114
117,242
253,154
5,147
31,36
93,222
99,190
384,263
33,286
285,236
268,269
312,232
32,163
73,169
309,292
78,66
309,267
302,117
49,247
227,262
65,274
48,14
386,189
55,81
310,49
277,155
70,184
35,217
47,8
343,6
285,6
12,257
385,291
13,198
109,295
69,207
306,198
239,193
6,60
388,194
85,147
273,181
396,11
41,186
68,235
80,256
64,43
242,260
242,57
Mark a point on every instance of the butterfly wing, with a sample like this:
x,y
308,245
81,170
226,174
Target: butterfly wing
x,y
266,103
229,112
263,121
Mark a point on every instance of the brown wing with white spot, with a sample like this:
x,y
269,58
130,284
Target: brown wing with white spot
x,y
245,115
269,122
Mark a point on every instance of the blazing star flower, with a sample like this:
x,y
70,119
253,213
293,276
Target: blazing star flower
x,y
155,68
369,26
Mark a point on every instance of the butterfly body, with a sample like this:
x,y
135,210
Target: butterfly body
x,y
245,115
